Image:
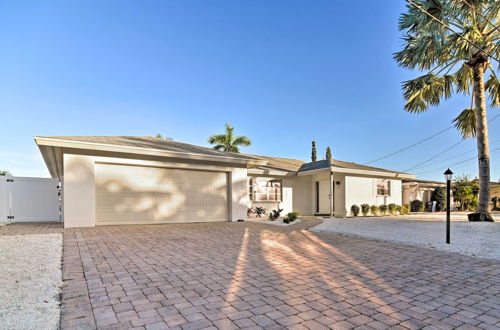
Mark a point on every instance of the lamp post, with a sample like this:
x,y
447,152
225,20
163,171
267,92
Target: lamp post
x,y
448,174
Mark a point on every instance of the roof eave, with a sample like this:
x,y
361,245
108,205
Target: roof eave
x,y
61,143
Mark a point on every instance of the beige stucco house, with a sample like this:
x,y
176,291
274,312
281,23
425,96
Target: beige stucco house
x,y
419,189
144,180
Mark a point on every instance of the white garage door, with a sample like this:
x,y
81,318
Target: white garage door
x,y
141,195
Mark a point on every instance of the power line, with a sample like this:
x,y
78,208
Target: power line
x,y
461,154
449,28
481,15
434,157
411,146
454,164
444,151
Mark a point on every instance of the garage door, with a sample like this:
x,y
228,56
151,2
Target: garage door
x,y
146,195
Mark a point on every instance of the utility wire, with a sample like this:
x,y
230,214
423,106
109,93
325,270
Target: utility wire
x,y
434,157
449,28
461,154
481,15
411,146
444,151
454,164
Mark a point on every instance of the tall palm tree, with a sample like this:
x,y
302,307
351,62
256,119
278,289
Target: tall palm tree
x,y
455,62
227,141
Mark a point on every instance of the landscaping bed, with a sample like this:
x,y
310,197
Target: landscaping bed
x,y
30,280
475,239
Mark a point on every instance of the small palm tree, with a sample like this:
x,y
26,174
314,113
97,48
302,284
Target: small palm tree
x,y
455,62
227,141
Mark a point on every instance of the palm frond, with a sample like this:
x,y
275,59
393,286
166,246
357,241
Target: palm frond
x,y
464,79
492,86
465,123
217,138
219,147
427,90
241,141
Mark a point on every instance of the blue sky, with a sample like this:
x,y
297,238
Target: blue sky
x,y
282,72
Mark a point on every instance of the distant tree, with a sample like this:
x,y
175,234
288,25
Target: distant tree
x,y
439,196
159,136
227,141
4,173
314,156
465,192
328,153
451,43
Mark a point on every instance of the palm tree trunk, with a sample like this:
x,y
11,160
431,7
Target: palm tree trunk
x,y
478,65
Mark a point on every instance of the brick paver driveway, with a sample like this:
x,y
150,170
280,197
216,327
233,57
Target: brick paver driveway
x,y
247,275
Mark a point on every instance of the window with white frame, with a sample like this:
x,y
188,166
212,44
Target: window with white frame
x,y
383,187
264,189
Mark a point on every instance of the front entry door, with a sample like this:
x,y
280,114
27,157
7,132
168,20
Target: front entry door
x,y
323,197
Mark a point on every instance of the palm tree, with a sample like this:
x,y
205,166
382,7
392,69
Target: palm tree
x,y
227,141
454,62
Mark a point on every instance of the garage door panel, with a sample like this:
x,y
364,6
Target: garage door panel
x,y
135,194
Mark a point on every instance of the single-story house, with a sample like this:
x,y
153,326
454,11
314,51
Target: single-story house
x,y
111,180
419,189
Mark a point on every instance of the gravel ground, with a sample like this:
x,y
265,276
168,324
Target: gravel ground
x,y
30,281
278,222
480,239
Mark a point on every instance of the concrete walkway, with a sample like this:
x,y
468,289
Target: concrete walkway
x,y
248,275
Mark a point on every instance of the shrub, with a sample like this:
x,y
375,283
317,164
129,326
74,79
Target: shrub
x,y
392,208
286,220
439,196
259,211
275,214
398,209
355,210
405,209
383,209
292,216
374,209
417,206
365,209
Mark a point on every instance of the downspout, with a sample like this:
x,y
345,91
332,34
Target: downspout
x,y
331,193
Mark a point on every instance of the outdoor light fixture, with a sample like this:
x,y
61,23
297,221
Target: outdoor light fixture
x,y
448,174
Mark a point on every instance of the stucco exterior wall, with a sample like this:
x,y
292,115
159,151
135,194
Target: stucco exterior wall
x,y
363,190
79,191
79,186
414,192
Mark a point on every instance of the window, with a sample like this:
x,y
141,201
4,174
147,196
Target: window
x,y
264,189
383,187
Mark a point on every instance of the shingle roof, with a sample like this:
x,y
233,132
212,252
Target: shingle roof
x,y
149,142
295,165
274,163
278,163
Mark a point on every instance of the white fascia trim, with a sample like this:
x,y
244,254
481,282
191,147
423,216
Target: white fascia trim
x,y
360,172
254,171
143,151
395,175
312,172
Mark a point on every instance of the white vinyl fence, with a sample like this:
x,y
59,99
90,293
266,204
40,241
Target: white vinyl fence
x,y
25,199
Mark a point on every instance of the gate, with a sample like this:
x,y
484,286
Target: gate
x,y
24,199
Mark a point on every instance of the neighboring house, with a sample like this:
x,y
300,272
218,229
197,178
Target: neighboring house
x,y
145,180
419,189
